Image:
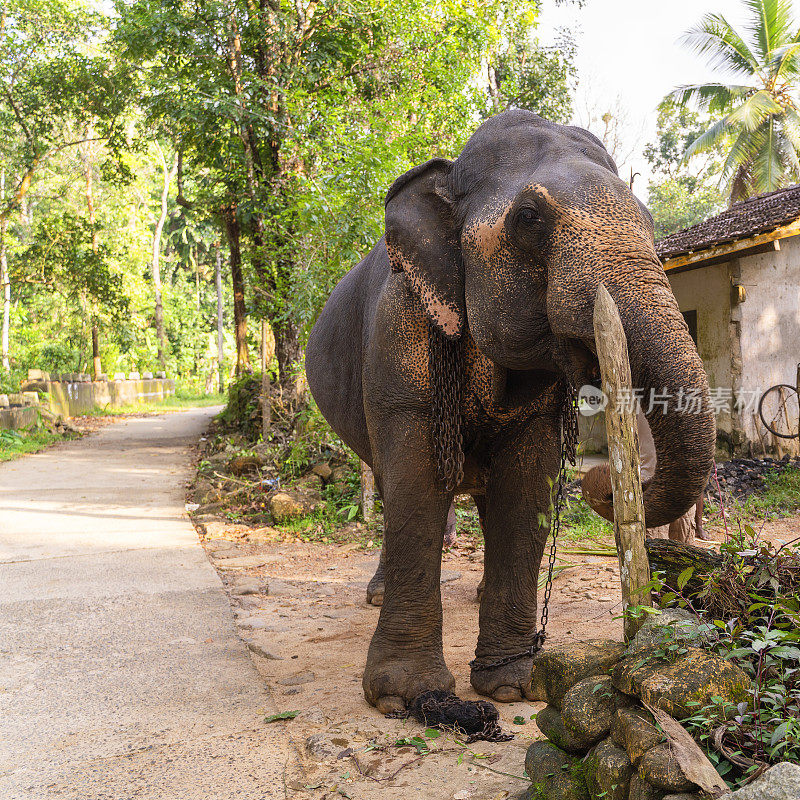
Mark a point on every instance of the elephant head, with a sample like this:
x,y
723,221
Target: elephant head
x,y
510,242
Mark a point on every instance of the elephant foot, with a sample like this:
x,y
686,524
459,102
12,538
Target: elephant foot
x,y
375,589
507,684
390,683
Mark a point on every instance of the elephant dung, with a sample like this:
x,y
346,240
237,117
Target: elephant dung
x,y
682,686
634,729
660,767
555,775
589,707
552,726
556,670
608,772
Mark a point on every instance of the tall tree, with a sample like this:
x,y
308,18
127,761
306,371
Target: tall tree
x,y
757,117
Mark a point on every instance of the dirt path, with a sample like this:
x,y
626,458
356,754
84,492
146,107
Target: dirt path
x,y
310,633
121,674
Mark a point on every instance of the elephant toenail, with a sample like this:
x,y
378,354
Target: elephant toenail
x,y
390,703
507,694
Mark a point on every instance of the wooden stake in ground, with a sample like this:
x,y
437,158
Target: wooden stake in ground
x,y
623,456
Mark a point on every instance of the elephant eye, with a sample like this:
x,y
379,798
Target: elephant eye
x,y
528,216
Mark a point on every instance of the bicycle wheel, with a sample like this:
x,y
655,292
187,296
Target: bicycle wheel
x,y
779,409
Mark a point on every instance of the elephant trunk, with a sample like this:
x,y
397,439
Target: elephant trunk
x,y
675,399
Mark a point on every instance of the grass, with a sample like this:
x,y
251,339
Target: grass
x,y
182,401
781,498
14,444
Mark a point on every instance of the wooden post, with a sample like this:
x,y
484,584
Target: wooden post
x,y
623,456
367,493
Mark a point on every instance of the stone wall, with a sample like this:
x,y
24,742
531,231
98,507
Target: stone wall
x,y
79,395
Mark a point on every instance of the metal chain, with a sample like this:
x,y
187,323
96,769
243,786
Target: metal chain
x,y
568,449
446,370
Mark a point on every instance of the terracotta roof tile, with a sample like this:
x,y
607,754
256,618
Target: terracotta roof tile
x,y
759,214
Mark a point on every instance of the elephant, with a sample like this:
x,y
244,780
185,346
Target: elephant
x,y
443,359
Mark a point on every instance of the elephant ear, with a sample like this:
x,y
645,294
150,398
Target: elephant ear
x,y
422,242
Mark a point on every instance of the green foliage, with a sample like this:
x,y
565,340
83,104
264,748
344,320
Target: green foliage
x,y
752,605
14,444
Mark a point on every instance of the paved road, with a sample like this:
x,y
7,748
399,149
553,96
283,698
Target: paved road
x,y
121,675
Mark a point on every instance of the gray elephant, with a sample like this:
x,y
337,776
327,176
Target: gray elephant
x,y
443,359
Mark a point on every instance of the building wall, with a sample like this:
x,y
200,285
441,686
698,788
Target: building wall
x,y
707,291
770,322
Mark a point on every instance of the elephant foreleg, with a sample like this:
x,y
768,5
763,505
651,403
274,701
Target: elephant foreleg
x,y
517,494
405,656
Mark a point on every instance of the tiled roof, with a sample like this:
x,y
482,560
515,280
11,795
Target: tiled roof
x,y
759,214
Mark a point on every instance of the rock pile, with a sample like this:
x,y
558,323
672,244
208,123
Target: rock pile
x,y
602,742
741,477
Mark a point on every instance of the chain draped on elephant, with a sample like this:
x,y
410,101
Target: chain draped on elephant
x,y
502,251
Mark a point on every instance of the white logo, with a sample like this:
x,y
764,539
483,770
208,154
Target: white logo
x,y
591,400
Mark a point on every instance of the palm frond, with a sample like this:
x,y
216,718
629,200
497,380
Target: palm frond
x,y
706,140
711,96
772,24
740,186
716,39
755,110
785,61
742,153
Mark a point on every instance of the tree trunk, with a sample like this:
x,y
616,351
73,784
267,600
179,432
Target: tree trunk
x,y
220,320
267,350
237,280
288,353
169,174
672,558
4,277
97,365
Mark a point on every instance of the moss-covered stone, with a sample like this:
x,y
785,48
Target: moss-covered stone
x,y
682,686
554,774
660,767
608,772
636,732
588,708
552,726
556,670
642,790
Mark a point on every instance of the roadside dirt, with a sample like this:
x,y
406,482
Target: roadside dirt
x,y
308,627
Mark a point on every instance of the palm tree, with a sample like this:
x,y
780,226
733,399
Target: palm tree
x,y
760,121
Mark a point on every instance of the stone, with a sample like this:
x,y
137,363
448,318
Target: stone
x,y
682,796
284,507
323,470
554,774
781,782
298,679
669,626
253,623
641,790
4,402
119,376
264,535
30,398
134,376
552,726
635,731
263,651
450,576
589,707
556,670
340,473
147,376
608,772
660,767
249,586
324,746
242,562
683,686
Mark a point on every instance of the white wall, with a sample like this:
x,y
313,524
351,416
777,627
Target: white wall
x,y
770,320
707,291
